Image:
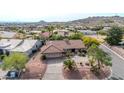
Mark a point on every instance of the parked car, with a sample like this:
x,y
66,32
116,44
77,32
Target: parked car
x,y
13,74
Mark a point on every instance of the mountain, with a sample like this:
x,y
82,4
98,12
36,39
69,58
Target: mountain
x,y
92,21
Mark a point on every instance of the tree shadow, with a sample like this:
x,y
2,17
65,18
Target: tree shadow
x,y
73,75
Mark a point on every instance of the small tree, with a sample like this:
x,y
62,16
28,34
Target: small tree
x,y
50,28
76,36
114,36
15,61
88,41
102,32
56,37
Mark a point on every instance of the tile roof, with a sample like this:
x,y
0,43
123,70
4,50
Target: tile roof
x,y
17,44
6,34
46,34
60,45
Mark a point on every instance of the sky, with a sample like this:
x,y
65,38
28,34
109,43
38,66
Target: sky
x,y
57,10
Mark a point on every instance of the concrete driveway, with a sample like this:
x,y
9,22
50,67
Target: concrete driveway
x,y
54,69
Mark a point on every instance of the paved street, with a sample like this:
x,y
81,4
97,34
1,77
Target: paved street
x,y
117,64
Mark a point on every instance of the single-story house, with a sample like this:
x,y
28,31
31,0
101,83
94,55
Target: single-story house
x,y
62,32
35,32
46,34
7,34
17,45
59,48
106,28
88,32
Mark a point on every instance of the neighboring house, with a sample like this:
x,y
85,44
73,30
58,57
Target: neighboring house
x,y
59,48
63,32
16,45
35,32
88,32
7,34
106,28
46,34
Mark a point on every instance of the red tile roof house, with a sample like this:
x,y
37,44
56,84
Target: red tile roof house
x,y
63,32
46,34
58,48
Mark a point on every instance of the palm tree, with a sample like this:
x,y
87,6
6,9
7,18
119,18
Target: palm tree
x,y
70,64
103,58
98,55
91,54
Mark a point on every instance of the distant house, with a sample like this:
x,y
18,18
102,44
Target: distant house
x,y
7,34
62,32
35,32
58,48
46,34
106,28
17,45
88,32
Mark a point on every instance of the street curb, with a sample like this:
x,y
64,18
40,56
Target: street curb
x,y
109,75
113,52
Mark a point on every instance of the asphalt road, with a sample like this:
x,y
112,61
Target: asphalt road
x,y
117,64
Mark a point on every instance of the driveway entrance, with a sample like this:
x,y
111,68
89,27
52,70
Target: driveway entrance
x,y
54,69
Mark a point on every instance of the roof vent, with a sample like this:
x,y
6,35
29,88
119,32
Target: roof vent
x,y
67,41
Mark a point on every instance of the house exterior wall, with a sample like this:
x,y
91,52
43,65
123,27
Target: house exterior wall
x,y
53,55
35,47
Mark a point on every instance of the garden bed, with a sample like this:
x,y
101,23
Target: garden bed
x,y
84,72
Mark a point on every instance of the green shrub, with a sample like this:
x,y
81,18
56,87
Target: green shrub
x,y
43,57
70,64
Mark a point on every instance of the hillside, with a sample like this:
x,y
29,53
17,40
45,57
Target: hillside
x,y
90,21
105,21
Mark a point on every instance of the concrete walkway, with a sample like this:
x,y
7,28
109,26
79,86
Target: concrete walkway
x,y
54,69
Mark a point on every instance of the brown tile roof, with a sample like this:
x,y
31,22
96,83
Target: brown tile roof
x,y
46,34
50,49
60,45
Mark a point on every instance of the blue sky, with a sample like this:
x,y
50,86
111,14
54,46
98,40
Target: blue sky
x,y
57,10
